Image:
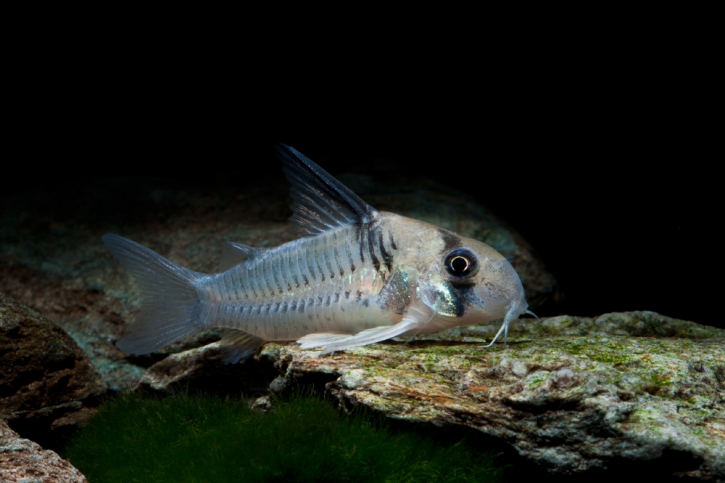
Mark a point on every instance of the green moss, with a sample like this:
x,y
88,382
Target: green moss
x,y
576,348
537,379
658,380
612,354
200,439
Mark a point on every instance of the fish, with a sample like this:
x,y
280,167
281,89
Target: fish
x,y
354,276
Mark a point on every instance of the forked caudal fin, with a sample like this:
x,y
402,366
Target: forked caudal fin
x,y
170,310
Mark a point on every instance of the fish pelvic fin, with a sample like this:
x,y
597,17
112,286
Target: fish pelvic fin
x,y
237,345
171,307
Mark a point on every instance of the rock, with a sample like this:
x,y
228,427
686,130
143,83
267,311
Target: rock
x,y
262,404
23,461
572,394
47,383
52,258
203,369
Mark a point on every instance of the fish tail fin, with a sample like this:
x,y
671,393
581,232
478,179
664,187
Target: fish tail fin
x,y
171,307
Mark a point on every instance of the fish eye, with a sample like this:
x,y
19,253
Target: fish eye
x,y
461,262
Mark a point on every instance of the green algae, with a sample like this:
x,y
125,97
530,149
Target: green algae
x,y
201,438
537,379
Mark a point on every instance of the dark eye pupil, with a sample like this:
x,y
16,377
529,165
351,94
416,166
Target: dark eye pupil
x,y
459,264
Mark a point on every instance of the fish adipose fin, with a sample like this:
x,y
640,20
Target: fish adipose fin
x,y
235,253
170,310
320,201
237,345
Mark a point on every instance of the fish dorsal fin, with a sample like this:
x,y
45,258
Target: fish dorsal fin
x,y
320,201
235,253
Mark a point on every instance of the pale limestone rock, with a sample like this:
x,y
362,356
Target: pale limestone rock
x,y
23,461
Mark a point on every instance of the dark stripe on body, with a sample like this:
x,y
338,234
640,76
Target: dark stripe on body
x,y
461,292
285,268
310,253
293,270
328,261
360,241
265,286
371,243
316,258
302,259
387,257
392,240
276,273
240,282
450,240
348,252
337,255
251,278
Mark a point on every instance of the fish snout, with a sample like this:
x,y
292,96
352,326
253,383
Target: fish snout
x,y
502,291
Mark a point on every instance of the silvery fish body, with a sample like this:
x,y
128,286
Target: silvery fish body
x,y
356,277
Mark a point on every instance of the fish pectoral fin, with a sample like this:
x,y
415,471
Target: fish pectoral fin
x,y
371,336
318,339
237,345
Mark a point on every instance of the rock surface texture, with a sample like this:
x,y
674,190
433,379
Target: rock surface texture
x,y
52,258
23,461
572,394
47,383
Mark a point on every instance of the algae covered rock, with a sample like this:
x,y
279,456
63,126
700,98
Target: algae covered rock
x,y
47,383
572,394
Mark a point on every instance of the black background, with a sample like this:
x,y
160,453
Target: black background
x,y
602,162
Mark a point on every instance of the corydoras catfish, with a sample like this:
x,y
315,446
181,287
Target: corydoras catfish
x,y
356,276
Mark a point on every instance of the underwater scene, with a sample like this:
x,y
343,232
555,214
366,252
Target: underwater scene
x,y
393,376
192,292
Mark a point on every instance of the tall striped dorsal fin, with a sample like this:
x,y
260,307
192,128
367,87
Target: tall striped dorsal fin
x,y
320,201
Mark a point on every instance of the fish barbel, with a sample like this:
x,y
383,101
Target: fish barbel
x,y
356,276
